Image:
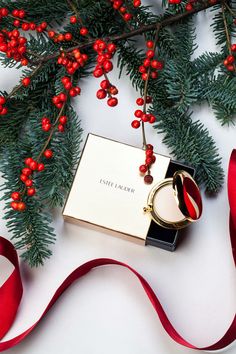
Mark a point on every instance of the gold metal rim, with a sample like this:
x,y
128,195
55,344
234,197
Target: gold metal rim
x,y
156,217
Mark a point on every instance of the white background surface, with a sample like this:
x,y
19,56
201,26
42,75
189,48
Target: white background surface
x,y
107,311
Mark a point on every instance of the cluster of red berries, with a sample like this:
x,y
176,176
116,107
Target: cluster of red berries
x,y
59,100
145,168
67,83
47,125
150,64
3,110
229,62
72,61
104,65
60,37
141,115
120,6
175,2
13,45
108,90
31,166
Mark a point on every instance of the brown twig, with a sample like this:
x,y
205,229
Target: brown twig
x,y
51,133
228,40
146,87
143,29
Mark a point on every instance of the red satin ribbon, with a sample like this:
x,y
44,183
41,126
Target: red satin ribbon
x,y
12,290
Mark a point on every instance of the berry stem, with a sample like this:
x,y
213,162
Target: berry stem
x,y
158,27
51,133
143,29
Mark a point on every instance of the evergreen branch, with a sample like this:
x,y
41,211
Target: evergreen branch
x,y
146,28
20,86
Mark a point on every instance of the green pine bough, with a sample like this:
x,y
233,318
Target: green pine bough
x,y
182,82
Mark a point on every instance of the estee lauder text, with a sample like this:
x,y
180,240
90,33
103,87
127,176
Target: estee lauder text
x,y
116,186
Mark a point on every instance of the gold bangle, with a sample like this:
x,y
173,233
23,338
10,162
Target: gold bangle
x,y
187,196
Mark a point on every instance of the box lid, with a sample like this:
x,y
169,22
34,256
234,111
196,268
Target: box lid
x,y
108,191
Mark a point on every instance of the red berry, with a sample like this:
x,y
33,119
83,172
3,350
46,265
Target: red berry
x,y
16,23
21,13
149,152
68,85
14,205
142,69
108,66
140,101
25,26
111,47
23,178
61,128
148,160
105,84
62,97
149,147
26,81
138,113
73,19
146,62
46,127
127,16
152,119
188,7
26,171
233,47
34,165
150,44
135,124
32,26
144,76
4,111
29,183
154,75
149,99
150,54
153,158
48,154
101,94
230,59
137,3
15,196
148,179
31,192
4,11
113,90
83,31
41,167
73,92
145,117
98,72
45,120
63,120
51,34
143,169
68,36
24,62
112,101
230,67
28,161
2,100
21,206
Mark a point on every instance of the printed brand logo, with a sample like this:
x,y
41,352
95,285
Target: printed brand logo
x,y
115,185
